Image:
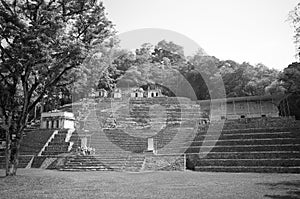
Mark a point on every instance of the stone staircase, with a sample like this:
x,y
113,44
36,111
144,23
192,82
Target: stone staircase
x,y
24,160
60,144
133,162
248,146
169,121
33,141
119,131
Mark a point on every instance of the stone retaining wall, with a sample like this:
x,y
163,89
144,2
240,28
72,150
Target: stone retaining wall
x,y
164,163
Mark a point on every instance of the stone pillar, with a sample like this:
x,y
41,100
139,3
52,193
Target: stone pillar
x,y
150,144
62,125
234,109
248,108
84,142
260,108
44,124
49,124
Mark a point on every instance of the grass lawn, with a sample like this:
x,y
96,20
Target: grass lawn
x,y
38,183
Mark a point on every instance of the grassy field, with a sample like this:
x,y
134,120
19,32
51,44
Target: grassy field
x,y
37,183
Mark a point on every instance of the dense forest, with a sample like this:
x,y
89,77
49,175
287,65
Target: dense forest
x,y
149,65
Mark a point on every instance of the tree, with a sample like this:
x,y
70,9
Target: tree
x,y
261,77
294,19
170,50
289,79
290,75
202,72
247,80
98,70
275,88
41,42
123,60
144,54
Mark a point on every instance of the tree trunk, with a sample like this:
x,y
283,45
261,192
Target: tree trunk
x,y
12,155
7,153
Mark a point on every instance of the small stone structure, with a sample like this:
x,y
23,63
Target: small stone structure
x,y
57,120
137,93
117,94
102,93
93,93
150,145
153,93
150,93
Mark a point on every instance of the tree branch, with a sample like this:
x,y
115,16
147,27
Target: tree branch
x,y
6,6
5,79
53,82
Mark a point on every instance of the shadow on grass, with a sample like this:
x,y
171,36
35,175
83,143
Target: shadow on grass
x,y
291,188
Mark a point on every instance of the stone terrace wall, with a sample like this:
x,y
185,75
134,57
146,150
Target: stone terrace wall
x,y
256,123
164,163
138,120
248,145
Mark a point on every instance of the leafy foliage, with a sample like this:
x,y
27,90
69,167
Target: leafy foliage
x,y
294,19
168,53
247,80
291,78
41,43
150,65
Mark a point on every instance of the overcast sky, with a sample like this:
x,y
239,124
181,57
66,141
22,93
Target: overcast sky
x,y
255,31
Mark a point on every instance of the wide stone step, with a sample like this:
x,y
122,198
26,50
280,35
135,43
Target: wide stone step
x,y
58,143
59,137
255,130
243,142
102,163
94,157
160,115
248,136
23,161
245,148
252,155
56,148
209,141
31,150
52,153
257,169
60,134
117,162
124,111
75,169
98,162
249,162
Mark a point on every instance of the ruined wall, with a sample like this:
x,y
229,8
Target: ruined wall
x,y
164,163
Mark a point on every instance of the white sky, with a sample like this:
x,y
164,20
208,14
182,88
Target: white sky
x,y
255,31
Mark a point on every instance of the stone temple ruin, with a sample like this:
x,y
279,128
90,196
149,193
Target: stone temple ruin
x,y
144,130
243,107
